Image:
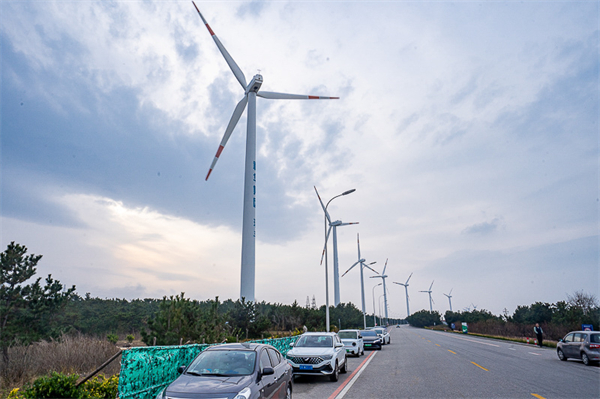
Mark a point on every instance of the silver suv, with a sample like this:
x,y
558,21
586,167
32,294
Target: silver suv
x,y
584,345
320,353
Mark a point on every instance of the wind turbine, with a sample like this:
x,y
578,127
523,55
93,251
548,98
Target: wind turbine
x,y
251,91
362,261
336,272
429,292
406,289
383,276
449,295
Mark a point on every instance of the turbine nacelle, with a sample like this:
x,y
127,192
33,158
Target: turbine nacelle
x,y
255,83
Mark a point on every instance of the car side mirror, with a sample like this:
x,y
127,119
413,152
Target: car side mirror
x,y
292,344
180,369
339,345
360,336
561,340
268,371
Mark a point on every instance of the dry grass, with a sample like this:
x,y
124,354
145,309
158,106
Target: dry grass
x,y
70,354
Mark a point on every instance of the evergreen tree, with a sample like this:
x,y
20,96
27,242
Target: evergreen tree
x,y
28,312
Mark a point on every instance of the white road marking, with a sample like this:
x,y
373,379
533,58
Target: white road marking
x,y
532,353
477,341
347,388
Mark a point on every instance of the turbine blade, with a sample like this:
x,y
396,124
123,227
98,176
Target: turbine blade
x,y
284,96
346,224
371,270
431,285
351,267
326,239
228,58
450,293
408,279
237,113
323,206
383,272
358,244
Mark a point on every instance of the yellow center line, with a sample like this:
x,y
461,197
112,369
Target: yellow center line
x,y
483,368
451,351
537,396
428,341
437,345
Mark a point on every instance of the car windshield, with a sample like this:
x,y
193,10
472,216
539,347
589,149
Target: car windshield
x,y
379,330
347,334
312,341
595,338
223,363
368,333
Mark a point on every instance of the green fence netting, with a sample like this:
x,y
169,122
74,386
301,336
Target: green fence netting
x,y
147,370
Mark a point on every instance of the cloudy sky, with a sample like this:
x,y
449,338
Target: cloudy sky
x,y
468,129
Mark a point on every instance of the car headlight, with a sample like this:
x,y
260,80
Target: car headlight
x,y
377,341
326,357
243,394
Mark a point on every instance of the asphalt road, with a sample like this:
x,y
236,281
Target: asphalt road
x,y
429,364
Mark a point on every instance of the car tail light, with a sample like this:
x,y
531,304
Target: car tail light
x,y
594,346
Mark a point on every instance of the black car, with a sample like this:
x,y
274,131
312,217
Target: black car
x,y
234,371
371,340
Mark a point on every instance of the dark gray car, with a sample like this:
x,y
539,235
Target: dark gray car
x,y
234,371
584,345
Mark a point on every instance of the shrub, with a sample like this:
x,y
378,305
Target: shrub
x,y
54,385
130,338
102,387
112,338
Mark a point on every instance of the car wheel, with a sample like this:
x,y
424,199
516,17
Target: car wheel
x,y
585,359
288,392
336,373
561,355
344,369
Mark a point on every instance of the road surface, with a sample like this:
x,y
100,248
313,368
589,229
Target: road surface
x,y
421,363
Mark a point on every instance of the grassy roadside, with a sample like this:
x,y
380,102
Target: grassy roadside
x,y
521,340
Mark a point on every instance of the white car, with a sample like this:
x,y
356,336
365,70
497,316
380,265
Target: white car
x,y
353,342
318,353
384,334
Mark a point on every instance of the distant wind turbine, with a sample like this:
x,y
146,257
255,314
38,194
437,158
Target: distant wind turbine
x,y
361,261
449,295
430,300
383,276
251,91
336,271
406,289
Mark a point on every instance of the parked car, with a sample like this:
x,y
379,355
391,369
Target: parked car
x,y
352,341
584,345
384,334
371,340
249,371
318,353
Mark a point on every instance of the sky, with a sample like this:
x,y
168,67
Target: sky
x,y
470,131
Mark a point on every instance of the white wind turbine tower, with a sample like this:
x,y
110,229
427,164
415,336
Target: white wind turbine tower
x,y
361,261
383,276
336,272
406,289
429,292
251,91
449,295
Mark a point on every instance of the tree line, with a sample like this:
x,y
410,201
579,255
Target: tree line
x,y
556,319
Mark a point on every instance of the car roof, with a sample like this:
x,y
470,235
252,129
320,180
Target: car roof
x,y
586,332
320,333
349,329
245,346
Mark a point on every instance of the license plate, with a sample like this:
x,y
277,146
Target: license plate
x,y
367,344
306,367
